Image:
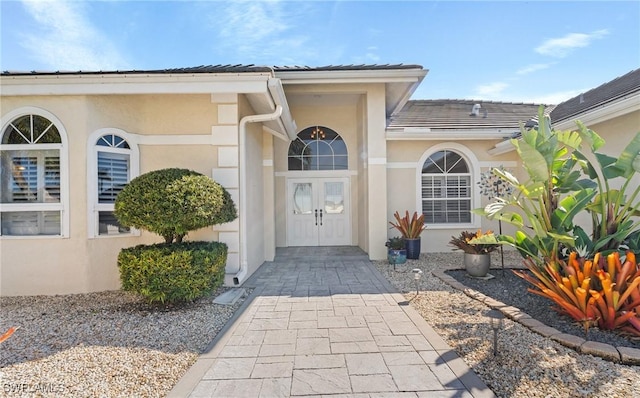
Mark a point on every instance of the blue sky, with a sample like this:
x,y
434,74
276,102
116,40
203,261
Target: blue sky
x,y
536,51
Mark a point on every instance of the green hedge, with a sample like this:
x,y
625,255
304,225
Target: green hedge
x,y
169,273
172,202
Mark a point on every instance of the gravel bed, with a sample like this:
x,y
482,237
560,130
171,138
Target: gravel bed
x,y
527,364
102,344
512,290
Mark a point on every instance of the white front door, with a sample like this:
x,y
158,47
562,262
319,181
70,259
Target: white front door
x,y
318,212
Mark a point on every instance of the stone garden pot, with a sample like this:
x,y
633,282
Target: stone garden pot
x,y
477,265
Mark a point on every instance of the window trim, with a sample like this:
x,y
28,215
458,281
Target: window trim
x,y
63,147
333,156
474,170
93,206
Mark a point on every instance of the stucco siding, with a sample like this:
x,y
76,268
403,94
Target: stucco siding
x,y
54,265
403,184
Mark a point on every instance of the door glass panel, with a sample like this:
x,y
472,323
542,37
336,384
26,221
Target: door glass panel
x,y
333,197
302,198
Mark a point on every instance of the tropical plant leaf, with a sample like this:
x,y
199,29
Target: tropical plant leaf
x,y
533,161
569,207
629,160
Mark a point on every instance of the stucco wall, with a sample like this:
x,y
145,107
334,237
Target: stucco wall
x,y
404,165
50,265
254,193
342,119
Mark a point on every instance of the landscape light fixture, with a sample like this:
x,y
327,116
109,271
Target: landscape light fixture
x,y
417,274
497,320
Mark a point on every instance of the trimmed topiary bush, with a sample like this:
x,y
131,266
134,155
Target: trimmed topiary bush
x,y
172,202
169,273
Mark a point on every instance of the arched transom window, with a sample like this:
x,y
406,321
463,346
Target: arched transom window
x,y
31,177
446,189
318,148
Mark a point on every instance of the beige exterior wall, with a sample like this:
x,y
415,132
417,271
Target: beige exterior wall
x,y
255,192
404,166
51,265
345,120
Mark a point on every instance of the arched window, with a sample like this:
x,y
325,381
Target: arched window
x,y
113,164
318,148
446,188
32,189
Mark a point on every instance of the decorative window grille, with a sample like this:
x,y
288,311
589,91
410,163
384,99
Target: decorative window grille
x,y
318,148
30,177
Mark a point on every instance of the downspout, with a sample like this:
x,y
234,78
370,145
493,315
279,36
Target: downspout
x,y
242,274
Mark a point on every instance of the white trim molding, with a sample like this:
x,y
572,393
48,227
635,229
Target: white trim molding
x,y
93,207
63,147
428,134
474,165
402,165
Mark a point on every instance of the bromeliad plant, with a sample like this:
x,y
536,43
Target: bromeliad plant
x,y
475,242
409,226
396,243
605,292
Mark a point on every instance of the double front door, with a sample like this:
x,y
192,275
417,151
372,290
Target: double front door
x,y
318,212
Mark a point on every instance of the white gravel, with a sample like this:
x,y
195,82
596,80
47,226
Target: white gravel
x,y
109,344
528,364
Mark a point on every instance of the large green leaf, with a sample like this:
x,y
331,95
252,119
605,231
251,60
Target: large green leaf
x,y
594,140
586,165
628,162
569,138
563,238
609,167
533,161
569,207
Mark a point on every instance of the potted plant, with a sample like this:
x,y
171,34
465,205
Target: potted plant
x,y
477,248
410,227
397,253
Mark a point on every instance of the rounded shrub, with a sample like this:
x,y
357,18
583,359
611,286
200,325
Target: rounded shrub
x,y
172,202
169,273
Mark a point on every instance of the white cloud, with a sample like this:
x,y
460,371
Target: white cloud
x,y
561,47
553,98
67,40
532,68
490,91
260,30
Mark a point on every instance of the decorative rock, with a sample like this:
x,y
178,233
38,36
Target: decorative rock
x,y
528,363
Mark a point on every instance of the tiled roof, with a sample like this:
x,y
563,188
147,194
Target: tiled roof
x,y
457,114
345,67
195,69
223,69
618,88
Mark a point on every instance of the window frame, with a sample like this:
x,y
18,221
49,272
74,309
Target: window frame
x,y
94,207
474,169
317,156
63,152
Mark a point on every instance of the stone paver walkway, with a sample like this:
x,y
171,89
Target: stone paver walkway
x,y
324,322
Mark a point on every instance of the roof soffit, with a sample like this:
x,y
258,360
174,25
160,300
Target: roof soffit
x,y
399,84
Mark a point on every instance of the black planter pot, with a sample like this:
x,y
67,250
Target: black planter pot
x,y
413,248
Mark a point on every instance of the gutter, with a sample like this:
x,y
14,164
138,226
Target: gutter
x,y
239,277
